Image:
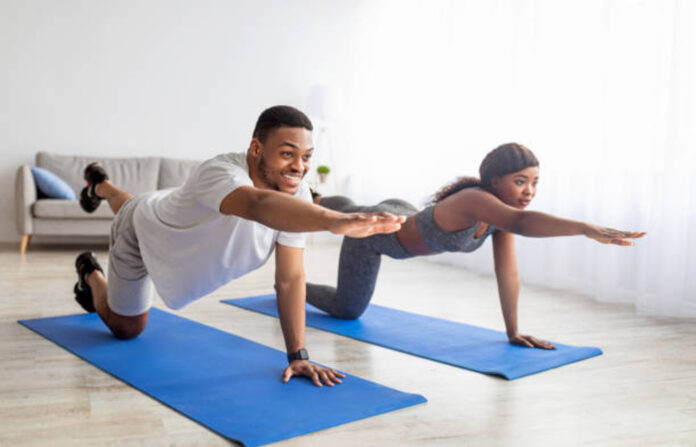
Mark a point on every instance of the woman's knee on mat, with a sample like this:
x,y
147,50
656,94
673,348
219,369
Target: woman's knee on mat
x,y
348,314
348,309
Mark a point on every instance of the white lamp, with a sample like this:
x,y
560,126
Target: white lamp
x,y
324,107
323,102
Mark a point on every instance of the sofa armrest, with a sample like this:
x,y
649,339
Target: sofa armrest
x,y
25,196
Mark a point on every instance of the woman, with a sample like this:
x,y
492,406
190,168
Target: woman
x,y
460,219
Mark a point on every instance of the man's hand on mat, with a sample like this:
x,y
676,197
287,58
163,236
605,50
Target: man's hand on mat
x,y
317,373
530,342
360,225
610,236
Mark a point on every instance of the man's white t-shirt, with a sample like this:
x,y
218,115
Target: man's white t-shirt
x,y
189,248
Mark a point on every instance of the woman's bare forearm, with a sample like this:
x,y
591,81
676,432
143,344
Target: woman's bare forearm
x,y
509,292
536,224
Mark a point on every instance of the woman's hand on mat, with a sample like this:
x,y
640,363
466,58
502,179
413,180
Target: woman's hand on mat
x,y
611,236
530,342
360,225
316,373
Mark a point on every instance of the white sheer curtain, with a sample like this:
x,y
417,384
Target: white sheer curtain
x,y
603,91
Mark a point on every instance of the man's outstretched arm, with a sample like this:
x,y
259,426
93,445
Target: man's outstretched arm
x,y
284,212
290,291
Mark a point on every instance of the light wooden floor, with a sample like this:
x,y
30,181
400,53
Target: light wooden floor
x,y
642,391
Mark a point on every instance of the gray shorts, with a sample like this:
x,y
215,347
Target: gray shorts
x,y
129,288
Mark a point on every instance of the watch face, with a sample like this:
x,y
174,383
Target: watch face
x,y
302,354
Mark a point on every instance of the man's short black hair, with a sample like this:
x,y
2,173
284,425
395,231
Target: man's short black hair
x,y
279,116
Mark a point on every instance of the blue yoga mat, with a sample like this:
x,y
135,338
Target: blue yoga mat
x,y
458,344
227,383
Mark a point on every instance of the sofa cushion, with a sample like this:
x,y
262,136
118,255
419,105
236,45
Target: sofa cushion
x,y
135,175
51,185
68,209
72,227
174,172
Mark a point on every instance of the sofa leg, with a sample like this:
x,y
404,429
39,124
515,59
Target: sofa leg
x,y
24,243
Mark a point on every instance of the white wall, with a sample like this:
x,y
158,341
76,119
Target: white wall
x,y
601,90
604,93
178,78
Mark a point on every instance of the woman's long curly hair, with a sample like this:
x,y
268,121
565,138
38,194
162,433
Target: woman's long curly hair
x,y
504,159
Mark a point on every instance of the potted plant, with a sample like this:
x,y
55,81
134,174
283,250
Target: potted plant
x,y
323,171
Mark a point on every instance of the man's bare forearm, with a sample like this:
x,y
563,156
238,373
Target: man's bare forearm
x,y
278,210
291,311
287,213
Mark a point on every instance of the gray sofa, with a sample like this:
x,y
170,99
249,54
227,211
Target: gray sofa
x,y
56,217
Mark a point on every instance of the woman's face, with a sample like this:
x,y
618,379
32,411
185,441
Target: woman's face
x,y
517,188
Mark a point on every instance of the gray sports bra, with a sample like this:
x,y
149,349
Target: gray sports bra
x,y
438,239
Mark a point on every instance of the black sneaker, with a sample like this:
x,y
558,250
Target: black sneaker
x,y
89,200
94,175
85,264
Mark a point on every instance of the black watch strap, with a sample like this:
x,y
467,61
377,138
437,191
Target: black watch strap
x,y
302,354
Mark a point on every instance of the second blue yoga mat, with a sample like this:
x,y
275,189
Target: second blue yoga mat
x,y
471,347
227,383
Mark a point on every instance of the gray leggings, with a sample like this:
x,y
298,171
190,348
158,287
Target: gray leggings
x,y
359,261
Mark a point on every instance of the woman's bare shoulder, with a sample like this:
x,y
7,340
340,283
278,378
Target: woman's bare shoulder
x,y
472,205
455,212
472,195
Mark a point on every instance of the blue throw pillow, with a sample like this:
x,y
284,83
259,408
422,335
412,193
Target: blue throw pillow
x,y
51,185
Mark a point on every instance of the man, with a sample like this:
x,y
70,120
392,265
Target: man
x,y
222,223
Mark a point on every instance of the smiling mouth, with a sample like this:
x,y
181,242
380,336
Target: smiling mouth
x,y
524,202
293,179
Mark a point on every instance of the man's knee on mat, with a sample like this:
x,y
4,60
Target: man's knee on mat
x,y
128,328
126,333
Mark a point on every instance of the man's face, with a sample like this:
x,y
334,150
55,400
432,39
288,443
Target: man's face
x,y
283,160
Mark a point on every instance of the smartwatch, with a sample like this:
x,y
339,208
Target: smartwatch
x,y
302,354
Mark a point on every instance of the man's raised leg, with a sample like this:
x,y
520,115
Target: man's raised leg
x,y
100,188
112,194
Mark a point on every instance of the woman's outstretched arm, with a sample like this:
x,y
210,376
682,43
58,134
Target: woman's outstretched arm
x,y
483,206
509,289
